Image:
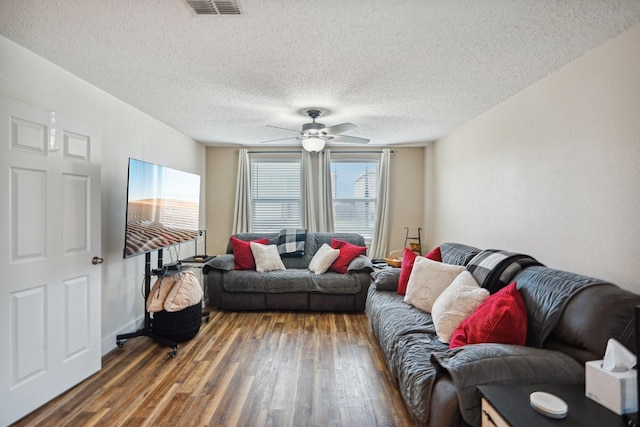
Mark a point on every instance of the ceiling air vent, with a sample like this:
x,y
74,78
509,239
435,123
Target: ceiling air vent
x,y
213,7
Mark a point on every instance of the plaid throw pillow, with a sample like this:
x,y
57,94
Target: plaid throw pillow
x,y
291,242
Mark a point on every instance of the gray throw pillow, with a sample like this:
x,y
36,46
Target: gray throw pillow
x,y
360,262
386,279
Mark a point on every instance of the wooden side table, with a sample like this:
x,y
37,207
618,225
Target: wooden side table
x,y
504,406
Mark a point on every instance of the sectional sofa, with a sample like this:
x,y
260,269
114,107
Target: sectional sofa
x,y
569,320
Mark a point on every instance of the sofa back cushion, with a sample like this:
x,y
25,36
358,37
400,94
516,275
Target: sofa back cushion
x,y
576,314
457,253
591,317
546,292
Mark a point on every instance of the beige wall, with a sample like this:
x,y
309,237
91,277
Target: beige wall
x,y
125,132
406,199
553,172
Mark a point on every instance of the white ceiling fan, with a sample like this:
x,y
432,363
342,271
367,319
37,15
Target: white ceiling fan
x,y
314,136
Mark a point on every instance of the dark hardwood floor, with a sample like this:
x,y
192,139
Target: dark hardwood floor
x,y
242,369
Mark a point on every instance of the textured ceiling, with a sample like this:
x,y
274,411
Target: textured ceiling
x,y
403,71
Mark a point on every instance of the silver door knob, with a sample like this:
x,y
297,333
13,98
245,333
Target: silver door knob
x,y
96,260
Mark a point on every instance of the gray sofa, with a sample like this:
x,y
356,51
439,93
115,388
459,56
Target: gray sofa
x,y
569,321
295,288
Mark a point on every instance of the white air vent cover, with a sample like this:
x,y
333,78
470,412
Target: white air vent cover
x,y
213,7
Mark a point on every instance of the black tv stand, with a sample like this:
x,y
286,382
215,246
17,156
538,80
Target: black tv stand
x,y
147,329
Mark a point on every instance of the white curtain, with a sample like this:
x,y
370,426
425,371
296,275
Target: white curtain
x,y
380,232
325,212
308,192
242,211
317,198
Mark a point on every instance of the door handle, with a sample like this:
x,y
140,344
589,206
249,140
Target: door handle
x,y
96,260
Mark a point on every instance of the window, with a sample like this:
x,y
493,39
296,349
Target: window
x,y
275,195
355,189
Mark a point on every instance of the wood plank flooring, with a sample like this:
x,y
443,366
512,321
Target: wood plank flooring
x,y
242,369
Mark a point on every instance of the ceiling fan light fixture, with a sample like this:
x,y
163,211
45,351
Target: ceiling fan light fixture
x,y
313,144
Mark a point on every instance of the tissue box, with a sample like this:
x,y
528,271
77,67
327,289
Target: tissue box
x,y
615,391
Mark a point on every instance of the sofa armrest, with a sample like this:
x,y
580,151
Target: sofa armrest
x,y
224,262
502,364
444,409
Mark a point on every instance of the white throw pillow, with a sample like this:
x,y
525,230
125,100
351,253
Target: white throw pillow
x,y
159,292
323,258
427,281
457,302
267,257
185,292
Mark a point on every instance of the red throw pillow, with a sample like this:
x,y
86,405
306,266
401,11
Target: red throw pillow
x,y
348,252
435,254
501,318
408,258
242,253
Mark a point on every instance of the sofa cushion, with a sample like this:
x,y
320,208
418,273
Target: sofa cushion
x,y
267,257
457,253
322,260
408,258
391,318
427,281
348,252
457,302
290,280
407,337
500,319
242,253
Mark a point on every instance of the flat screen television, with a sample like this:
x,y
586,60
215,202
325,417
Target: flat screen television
x,y
163,207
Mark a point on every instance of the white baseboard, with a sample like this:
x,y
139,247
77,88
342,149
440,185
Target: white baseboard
x,y
109,342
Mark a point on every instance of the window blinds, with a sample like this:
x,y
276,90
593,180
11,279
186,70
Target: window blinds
x,y
275,195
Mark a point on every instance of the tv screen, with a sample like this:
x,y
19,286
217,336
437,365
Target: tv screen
x,y
163,207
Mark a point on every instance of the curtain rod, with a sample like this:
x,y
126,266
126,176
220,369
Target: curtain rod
x,y
300,151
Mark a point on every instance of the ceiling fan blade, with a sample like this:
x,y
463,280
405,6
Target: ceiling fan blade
x,y
278,127
349,139
336,129
280,139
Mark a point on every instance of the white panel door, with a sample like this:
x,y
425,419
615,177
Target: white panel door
x,y
50,291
